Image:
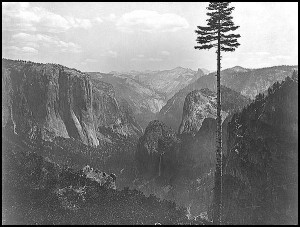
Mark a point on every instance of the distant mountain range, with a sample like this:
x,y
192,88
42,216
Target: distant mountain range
x,y
166,82
205,71
243,83
248,82
150,92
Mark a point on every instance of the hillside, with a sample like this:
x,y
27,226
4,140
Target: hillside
x,y
260,172
38,191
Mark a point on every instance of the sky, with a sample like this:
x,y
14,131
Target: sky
x,y
123,36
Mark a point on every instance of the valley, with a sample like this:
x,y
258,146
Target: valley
x,y
159,145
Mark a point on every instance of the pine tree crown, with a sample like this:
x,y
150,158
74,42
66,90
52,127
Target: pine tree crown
x,y
219,24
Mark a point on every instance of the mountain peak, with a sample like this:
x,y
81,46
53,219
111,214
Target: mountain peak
x,y
239,69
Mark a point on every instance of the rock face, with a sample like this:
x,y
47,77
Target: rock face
x,y
144,101
58,100
260,172
157,151
198,105
173,112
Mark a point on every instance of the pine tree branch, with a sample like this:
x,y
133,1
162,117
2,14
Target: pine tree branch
x,y
204,46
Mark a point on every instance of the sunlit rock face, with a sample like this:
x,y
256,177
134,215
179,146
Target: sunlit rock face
x,y
58,101
198,105
173,112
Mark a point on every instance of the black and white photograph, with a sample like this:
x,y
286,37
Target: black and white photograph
x,y
149,113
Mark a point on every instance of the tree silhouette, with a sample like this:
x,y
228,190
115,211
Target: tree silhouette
x,y
215,35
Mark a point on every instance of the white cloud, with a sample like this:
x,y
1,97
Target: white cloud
x,y
111,17
165,53
154,59
29,50
139,58
98,19
92,60
79,23
22,50
262,53
45,41
23,17
280,57
112,53
151,21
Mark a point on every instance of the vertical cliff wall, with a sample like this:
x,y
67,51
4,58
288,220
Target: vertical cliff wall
x,y
60,102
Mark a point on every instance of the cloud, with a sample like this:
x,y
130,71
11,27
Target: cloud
x,y
154,59
260,53
98,19
165,53
139,58
45,42
29,50
110,53
92,60
151,21
111,17
189,60
20,51
21,16
280,57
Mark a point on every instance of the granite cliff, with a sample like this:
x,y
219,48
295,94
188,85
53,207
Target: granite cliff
x,y
60,101
173,112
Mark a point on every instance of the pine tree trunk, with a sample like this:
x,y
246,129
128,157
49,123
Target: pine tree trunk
x,y
218,172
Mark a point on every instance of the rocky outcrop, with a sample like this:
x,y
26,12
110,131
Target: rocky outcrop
x,y
198,105
59,101
174,113
157,151
260,173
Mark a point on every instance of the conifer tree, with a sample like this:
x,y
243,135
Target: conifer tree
x,y
215,34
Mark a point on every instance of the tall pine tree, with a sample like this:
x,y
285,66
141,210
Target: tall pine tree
x,y
215,34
